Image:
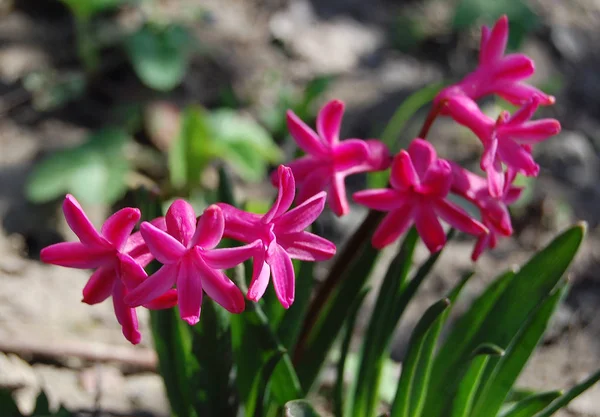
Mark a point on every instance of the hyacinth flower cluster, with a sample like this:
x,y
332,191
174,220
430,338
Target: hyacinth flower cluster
x,y
419,193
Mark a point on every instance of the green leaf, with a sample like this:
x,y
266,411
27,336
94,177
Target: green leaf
x,y
173,347
300,408
409,394
190,153
254,406
462,403
253,343
93,172
381,327
340,404
160,55
243,143
289,328
211,363
84,9
570,395
329,321
508,368
420,384
529,406
522,18
499,313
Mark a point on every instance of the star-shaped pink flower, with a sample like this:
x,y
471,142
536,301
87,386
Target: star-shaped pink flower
x,y
494,211
282,237
506,140
111,253
328,161
498,73
420,186
190,261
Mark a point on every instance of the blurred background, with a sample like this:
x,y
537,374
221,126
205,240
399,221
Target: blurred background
x,y
99,97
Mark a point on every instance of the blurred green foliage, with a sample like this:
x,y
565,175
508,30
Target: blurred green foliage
x,y
94,172
160,55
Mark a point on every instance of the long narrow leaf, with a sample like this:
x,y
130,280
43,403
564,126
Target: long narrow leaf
x,y
508,368
381,326
254,406
424,367
502,315
340,405
465,396
570,395
531,405
404,395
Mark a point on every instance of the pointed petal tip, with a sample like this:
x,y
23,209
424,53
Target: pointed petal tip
x,y
191,320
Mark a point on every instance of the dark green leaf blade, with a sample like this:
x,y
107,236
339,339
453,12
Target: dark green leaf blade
x,y
508,368
570,395
405,394
499,314
529,406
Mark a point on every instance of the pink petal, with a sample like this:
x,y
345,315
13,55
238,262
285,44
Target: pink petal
x,y
380,199
130,272
520,93
480,246
496,42
403,175
465,183
306,246
181,221
301,168
495,177
485,36
393,225
438,179
117,228
154,286
211,226
349,154
525,113
514,155
458,218
299,218
512,195
282,271
379,155
76,255
126,315
220,288
338,202
239,224
305,137
260,277
429,228
514,67
532,132
81,225
285,195
497,214
189,289
467,113
165,248
329,121
315,183
162,302
100,285
422,154
137,248
230,257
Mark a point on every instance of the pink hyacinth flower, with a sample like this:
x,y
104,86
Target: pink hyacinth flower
x,y
420,184
283,238
506,140
329,161
498,73
117,256
190,261
494,211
